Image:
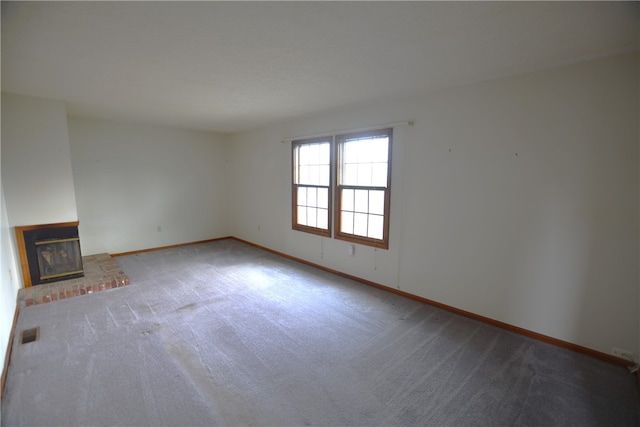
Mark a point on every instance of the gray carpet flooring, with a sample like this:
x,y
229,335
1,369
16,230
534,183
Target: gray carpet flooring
x,y
226,334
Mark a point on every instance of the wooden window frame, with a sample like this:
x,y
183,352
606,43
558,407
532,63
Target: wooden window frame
x,y
338,234
295,186
335,190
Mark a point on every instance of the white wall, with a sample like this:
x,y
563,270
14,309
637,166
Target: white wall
x,y
36,165
516,199
130,179
36,185
9,283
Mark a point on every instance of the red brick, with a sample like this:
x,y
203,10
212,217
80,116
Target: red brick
x,y
54,297
30,302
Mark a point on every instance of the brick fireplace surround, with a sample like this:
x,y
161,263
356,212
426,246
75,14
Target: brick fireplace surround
x,y
101,272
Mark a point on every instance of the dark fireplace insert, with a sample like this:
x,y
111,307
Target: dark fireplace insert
x,y
49,253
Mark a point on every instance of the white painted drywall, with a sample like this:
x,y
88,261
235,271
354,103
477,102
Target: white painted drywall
x,y
131,179
9,281
36,164
516,199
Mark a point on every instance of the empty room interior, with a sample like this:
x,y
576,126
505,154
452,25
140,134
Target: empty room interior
x,y
320,213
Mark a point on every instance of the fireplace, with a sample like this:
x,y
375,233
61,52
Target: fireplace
x,y
49,253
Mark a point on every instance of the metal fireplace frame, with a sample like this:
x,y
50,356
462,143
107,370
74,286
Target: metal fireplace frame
x,y
23,251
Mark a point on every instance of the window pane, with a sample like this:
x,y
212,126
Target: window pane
x,y
379,149
365,161
350,174
302,195
302,215
325,174
303,177
376,226
325,153
323,198
323,218
364,174
314,154
347,200
311,197
314,175
360,224
311,217
364,150
379,174
304,156
361,201
312,163
346,222
376,202
349,153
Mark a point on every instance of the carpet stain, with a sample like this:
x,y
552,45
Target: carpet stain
x,y
190,307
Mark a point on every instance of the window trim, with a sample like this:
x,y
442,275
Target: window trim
x,y
294,188
338,234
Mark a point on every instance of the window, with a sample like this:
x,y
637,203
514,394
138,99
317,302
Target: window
x,y
362,190
312,186
359,164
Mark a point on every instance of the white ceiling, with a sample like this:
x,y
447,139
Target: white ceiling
x,y
233,66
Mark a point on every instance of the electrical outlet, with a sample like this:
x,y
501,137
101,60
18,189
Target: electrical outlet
x,y
623,354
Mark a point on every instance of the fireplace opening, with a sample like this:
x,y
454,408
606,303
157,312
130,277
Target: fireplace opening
x,y
59,258
49,253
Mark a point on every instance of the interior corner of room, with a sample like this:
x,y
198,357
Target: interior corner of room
x,y
514,198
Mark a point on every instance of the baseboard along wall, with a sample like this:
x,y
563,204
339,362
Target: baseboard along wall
x,y
161,248
7,355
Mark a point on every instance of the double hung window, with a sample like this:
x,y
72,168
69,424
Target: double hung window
x,y
344,180
312,186
362,190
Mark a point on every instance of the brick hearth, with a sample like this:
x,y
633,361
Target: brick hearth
x,y
101,272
